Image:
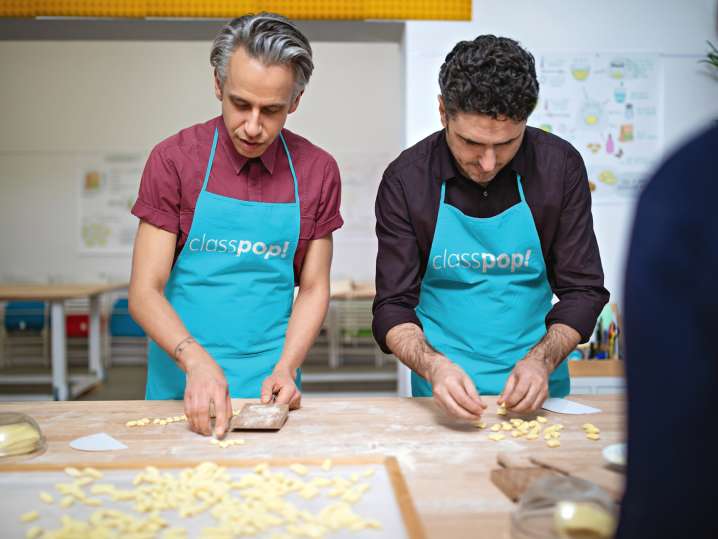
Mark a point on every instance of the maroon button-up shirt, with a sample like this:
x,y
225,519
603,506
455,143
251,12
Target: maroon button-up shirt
x,y
174,172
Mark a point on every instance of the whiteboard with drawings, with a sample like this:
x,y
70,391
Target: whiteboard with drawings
x,y
608,106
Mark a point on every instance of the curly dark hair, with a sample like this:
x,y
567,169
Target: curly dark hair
x,y
490,75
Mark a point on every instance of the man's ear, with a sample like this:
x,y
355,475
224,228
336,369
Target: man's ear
x,y
442,111
217,86
295,103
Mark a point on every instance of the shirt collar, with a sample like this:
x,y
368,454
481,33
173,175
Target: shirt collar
x,y
445,166
268,158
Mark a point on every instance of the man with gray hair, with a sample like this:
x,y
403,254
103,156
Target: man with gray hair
x,y
234,213
479,225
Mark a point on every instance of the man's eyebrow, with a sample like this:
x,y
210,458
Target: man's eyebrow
x,y
497,144
267,106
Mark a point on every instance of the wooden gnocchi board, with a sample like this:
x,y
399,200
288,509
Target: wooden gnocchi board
x,y
387,500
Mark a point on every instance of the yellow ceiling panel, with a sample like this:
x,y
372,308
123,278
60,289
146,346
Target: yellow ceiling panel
x,y
294,9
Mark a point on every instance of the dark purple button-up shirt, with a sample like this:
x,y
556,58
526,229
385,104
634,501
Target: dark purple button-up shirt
x,y
555,184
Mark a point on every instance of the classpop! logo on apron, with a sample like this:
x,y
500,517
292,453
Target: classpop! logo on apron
x,y
238,247
481,261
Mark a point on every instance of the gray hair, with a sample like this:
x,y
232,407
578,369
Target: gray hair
x,y
268,37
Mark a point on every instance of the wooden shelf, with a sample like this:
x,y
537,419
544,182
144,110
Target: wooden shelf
x,y
596,367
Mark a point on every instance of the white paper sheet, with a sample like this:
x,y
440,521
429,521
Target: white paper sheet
x,y
97,442
564,406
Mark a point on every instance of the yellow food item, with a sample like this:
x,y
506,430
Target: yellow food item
x,y
299,469
541,419
29,516
496,427
18,439
593,436
506,426
34,532
583,519
553,443
496,437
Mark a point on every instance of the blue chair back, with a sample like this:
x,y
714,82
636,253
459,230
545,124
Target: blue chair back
x,y
121,323
25,315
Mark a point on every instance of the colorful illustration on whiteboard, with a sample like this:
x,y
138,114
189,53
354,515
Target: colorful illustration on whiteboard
x,y
580,69
608,177
93,182
616,68
95,234
609,144
628,114
626,133
594,147
591,114
619,94
607,105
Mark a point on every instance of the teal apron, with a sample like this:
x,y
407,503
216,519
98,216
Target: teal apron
x,y
232,286
485,295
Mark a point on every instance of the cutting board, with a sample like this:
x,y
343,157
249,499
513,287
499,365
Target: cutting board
x,y
513,482
609,480
520,470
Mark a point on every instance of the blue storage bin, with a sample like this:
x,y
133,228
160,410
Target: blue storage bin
x,y
25,315
121,323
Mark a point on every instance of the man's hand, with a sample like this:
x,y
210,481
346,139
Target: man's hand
x,y
527,386
281,383
454,391
206,385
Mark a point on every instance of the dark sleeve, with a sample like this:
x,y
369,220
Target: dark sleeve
x,y
671,309
398,264
575,271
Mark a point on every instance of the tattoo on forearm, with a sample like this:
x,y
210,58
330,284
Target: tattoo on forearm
x,y
408,343
555,345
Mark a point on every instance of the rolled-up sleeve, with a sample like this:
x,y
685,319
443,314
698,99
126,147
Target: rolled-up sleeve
x,y
575,270
158,200
398,264
329,217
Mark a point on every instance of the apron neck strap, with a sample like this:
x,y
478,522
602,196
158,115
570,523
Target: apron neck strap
x,y
211,159
521,189
286,150
291,167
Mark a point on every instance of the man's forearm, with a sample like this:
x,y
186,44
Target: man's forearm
x,y
553,348
159,320
306,320
408,343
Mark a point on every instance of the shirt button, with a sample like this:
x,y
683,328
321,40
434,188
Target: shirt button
x,y
486,193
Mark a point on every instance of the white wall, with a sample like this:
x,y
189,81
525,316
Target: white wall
x,y
675,29
61,102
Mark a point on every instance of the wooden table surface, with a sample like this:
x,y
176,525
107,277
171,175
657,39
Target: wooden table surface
x,y
55,291
446,463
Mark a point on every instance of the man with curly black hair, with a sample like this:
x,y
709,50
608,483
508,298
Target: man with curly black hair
x,y
479,225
